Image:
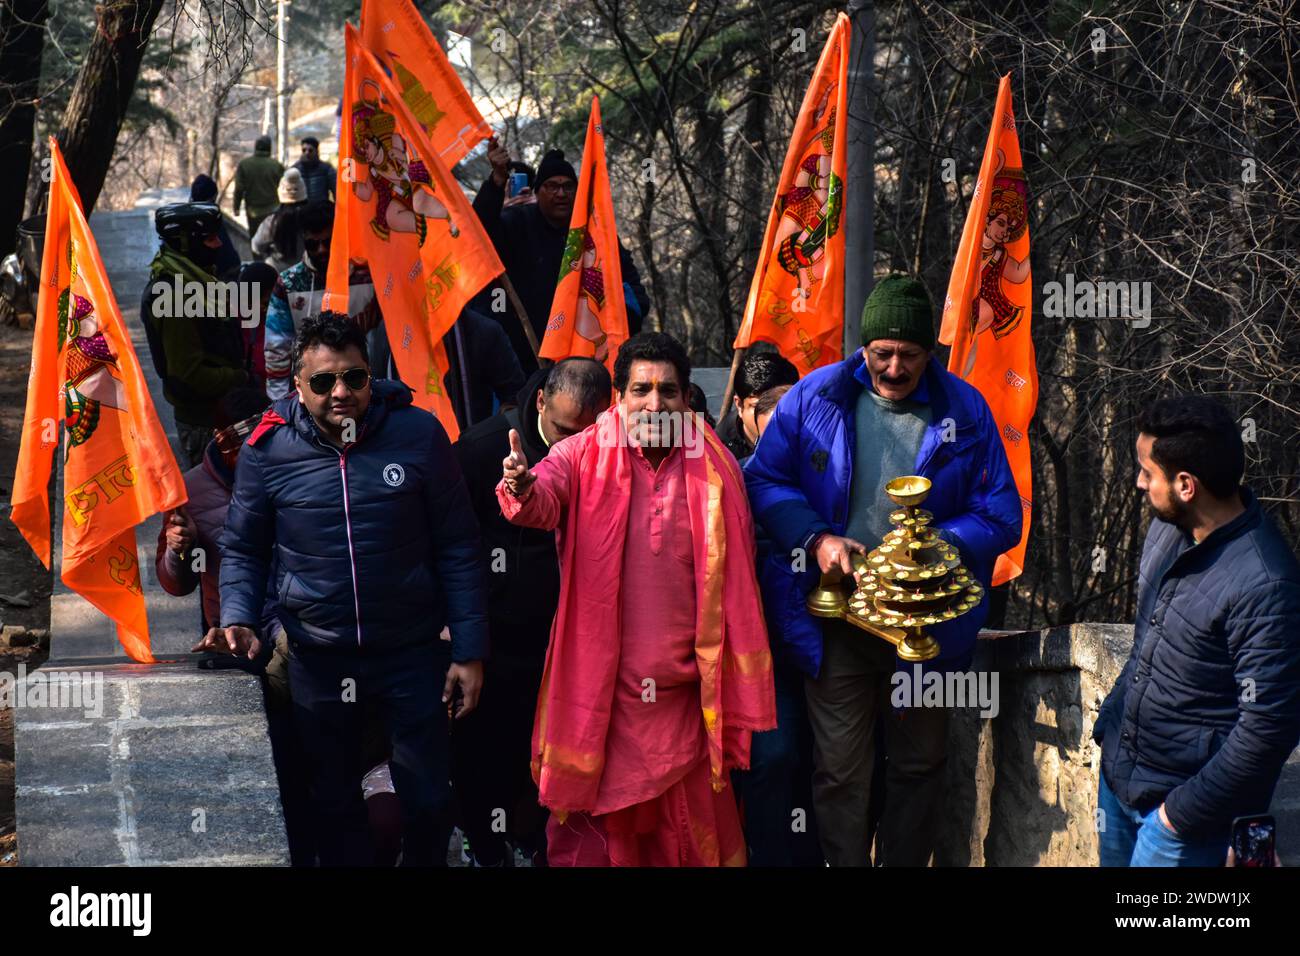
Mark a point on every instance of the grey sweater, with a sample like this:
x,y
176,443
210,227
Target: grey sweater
x,y
889,436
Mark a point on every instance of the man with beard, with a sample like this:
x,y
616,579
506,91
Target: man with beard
x,y
658,670
1207,709
490,747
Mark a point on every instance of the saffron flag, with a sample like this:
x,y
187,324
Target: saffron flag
x,y
986,314
117,466
403,213
796,299
589,314
397,35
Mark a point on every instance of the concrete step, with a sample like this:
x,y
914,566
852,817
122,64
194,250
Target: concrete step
x,y
145,765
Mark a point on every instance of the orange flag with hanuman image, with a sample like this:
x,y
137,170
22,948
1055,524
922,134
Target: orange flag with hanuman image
x,y
397,35
117,466
588,313
402,212
796,300
987,312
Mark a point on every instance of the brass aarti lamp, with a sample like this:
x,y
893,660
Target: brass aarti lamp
x,y
913,579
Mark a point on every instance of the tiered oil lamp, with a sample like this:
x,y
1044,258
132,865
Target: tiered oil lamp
x,y
913,579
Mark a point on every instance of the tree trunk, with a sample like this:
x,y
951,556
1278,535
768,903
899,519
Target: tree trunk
x,y
22,36
103,90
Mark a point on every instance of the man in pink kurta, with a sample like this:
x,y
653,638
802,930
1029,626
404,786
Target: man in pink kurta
x,y
657,670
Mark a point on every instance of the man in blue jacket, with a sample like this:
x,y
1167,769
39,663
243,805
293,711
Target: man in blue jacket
x,y
358,497
1207,709
816,485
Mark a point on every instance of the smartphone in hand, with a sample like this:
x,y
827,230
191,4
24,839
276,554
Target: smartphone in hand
x,y
1254,840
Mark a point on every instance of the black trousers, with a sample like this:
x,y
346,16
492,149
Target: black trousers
x,y
845,701
333,692
490,766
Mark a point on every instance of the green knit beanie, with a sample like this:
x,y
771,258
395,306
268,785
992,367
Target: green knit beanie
x,y
898,308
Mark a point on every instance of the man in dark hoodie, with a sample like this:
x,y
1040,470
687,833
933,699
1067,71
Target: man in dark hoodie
x,y
529,238
318,175
490,749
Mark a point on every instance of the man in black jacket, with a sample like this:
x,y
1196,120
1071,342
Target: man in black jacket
x,y
530,238
358,497
490,749
492,366
1207,709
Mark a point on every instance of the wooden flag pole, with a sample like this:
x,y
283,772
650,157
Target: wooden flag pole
x,y
523,316
731,382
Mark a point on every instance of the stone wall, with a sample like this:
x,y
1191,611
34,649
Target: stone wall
x,y
1023,784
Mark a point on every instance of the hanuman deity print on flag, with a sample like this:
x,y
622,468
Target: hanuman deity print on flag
x,y
811,210
1006,222
89,363
580,254
401,183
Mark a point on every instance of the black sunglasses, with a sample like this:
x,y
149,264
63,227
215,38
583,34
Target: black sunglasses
x,y
322,383
313,244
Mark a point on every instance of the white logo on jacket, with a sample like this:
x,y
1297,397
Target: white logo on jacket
x,y
394,474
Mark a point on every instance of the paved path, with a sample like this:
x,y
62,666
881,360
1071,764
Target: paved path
x,y
141,764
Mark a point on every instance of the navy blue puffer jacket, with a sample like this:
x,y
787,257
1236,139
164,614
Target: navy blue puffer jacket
x,y
376,545
1207,708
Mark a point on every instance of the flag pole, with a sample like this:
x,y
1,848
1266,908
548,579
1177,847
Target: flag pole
x,y
523,316
462,365
859,191
731,382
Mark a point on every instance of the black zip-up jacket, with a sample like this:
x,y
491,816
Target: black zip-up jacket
x,y
376,546
531,250
1207,708
523,568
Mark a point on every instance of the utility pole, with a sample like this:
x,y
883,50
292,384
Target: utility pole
x,y
859,191
282,81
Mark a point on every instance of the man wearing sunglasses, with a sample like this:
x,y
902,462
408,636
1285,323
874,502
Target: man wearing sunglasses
x,y
529,238
358,497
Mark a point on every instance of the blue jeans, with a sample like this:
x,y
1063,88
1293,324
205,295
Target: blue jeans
x,y
1126,837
